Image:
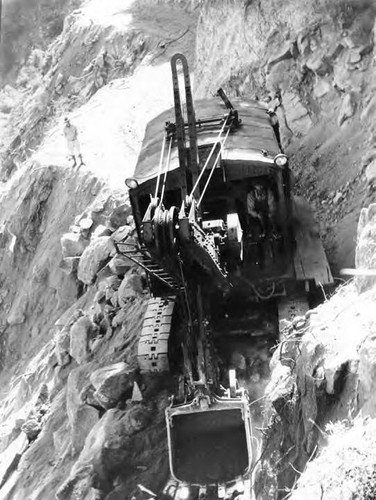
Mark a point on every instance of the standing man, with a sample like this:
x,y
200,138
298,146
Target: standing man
x,y
272,112
71,135
261,210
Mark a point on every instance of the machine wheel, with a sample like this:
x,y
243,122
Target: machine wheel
x,y
159,230
172,228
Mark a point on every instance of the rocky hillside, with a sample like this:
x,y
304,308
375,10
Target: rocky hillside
x,y
321,60
321,399
76,418
27,24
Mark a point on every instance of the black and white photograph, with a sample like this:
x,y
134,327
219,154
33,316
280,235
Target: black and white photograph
x,y
187,250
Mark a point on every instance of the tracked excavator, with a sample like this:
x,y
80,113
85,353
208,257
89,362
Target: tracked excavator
x,y
229,253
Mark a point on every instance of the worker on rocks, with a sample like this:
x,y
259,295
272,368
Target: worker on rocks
x,y
71,136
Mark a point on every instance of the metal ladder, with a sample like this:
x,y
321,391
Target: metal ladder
x,y
152,351
141,257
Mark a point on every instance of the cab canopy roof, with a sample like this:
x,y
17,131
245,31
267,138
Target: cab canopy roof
x,y
253,140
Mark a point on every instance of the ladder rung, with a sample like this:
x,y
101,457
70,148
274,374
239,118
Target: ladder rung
x,y
153,268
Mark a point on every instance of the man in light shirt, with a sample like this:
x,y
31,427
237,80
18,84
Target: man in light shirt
x,y
71,136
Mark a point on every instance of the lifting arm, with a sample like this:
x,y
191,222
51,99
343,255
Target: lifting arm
x,y
233,113
192,166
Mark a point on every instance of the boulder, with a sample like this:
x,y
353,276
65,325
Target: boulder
x,y
354,56
79,485
120,318
319,64
347,109
83,422
17,313
16,317
370,173
72,244
104,273
298,117
112,297
69,265
281,386
101,230
78,384
110,282
108,450
100,297
120,264
81,416
121,233
347,80
119,215
80,335
95,256
85,224
32,428
99,205
62,337
136,393
303,42
322,88
131,287
337,198
112,383
96,344
42,399
334,51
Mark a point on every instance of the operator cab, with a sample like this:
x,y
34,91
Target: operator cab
x,y
241,193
